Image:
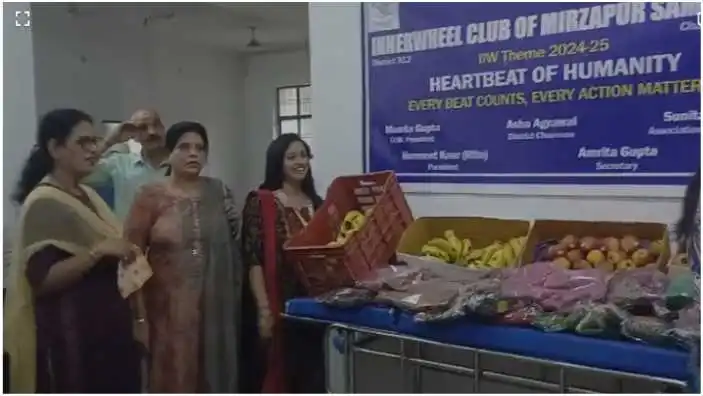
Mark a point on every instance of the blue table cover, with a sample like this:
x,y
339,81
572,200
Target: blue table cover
x,y
561,347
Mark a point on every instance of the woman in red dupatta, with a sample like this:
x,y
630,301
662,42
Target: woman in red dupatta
x,y
293,360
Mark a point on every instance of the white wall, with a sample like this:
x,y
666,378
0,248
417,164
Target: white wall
x,y
336,59
19,109
264,74
110,67
119,67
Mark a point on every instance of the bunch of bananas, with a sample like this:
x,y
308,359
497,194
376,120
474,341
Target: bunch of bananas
x,y
352,222
449,249
497,255
453,250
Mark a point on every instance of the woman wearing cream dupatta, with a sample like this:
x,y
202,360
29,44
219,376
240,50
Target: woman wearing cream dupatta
x,y
67,329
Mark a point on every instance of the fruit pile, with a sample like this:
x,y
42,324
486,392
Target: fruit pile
x,y
453,250
352,222
609,254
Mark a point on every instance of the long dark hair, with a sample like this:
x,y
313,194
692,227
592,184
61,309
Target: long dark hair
x,y
691,199
275,155
55,125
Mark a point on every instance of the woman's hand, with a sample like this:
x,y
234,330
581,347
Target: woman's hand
x,y
116,247
265,323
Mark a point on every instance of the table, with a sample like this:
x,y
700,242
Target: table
x,y
560,357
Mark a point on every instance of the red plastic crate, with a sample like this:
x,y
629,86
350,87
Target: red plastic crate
x,y
321,267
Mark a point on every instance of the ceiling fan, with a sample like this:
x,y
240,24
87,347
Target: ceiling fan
x,y
253,42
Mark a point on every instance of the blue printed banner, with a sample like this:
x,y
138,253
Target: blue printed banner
x,y
553,93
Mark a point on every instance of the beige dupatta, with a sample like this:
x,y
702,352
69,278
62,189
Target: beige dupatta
x,y
48,216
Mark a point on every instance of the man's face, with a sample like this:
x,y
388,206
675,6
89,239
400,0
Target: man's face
x,y
150,131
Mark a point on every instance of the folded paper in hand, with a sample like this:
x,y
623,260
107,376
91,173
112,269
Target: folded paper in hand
x,y
131,277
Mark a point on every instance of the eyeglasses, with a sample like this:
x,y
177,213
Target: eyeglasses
x,y
88,141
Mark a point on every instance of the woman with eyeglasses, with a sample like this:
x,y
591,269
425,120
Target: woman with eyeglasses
x,y
67,329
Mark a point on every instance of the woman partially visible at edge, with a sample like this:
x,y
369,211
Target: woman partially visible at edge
x,y
688,238
688,228
67,329
189,227
280,208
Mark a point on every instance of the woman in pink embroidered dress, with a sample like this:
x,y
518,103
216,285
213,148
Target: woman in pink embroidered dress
x,y
188,226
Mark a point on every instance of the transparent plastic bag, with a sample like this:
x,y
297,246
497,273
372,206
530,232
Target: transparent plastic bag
x,y
689,318
600,320
394,277
687,327
681,290
523,315
558,322
434,268
480,297
647,329
484,298
552,287
586,318
639,290
453,311
430,295
347,297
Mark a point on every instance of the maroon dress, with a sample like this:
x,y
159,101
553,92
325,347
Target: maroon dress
x,y
84,332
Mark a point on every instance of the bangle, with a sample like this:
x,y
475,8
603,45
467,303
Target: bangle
x,y
140,320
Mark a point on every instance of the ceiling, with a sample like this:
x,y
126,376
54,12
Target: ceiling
x,y
278,26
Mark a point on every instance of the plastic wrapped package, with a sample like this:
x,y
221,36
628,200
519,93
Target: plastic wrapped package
x,y
600,320
587,319
484,298
432,295
481,297
396,277
557,322
423,285
640,290
687,327
347,297
451,273
522,315
413,269
552,287
647,329
682,289
455,310
689,318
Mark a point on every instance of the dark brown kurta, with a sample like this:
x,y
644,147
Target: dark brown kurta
x,y
84,333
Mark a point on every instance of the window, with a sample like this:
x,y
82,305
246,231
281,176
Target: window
x,y
293,111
